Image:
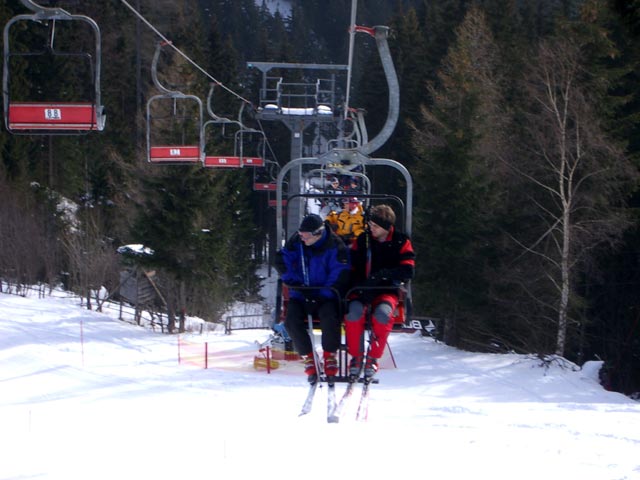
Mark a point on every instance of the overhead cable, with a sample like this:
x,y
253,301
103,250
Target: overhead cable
x,y
182,54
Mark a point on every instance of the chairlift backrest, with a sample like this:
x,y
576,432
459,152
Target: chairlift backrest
x,y
51,116
348,159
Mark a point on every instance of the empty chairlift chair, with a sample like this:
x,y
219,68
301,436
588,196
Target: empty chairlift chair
x,y
174,124
58,57
228,143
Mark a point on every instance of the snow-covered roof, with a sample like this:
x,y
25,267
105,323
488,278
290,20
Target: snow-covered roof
x,y
135,249
320,110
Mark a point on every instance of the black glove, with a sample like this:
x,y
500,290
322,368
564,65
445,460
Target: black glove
x,y
372,281
383,274
310,305
379,278
375,280
366,296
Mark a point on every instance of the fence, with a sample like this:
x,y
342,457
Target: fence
x,y
199,355
247,322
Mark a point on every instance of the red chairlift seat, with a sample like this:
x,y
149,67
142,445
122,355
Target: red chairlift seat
x,y
214,161
211,161
54,116
265,187
253,161
175,154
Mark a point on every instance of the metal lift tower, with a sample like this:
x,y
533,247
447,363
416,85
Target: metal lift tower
x,y
311,102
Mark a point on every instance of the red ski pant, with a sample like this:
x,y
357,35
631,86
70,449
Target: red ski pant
x,y
381,325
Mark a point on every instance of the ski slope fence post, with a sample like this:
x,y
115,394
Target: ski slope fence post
x,y
268,359
264,360
82,340
193,353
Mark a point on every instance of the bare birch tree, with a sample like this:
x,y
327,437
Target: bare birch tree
x,y
577,174
93,262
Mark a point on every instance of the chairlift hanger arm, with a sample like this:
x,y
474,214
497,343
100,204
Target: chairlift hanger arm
x,y
154,72
46,13
218,119
380,33
215,118
241,113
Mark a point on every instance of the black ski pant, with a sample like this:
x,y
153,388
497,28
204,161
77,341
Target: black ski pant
x,y
296,322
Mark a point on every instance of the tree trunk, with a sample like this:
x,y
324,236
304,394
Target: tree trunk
x,y
563,310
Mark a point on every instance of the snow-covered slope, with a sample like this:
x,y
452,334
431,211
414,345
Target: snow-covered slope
x,y
84,395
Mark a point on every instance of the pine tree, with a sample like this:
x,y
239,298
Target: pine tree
x,y
457,200
439,24
611,284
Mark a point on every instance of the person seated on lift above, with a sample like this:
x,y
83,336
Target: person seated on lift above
x,y
349,223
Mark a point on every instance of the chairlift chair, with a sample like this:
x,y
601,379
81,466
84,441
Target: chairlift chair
x,y
353,158
264,178
61,110
248,141
220,134
288,202
240,157
175,115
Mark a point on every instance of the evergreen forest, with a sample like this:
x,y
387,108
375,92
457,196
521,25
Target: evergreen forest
x,y
519,122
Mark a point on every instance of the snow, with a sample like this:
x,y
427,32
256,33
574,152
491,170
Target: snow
x,y
84,395
282,6
135,249
320,110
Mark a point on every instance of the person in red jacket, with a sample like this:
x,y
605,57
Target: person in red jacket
x,y
381,257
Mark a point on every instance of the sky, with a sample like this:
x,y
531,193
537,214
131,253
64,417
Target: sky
x,y
84,395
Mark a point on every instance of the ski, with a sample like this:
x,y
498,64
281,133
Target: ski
x,y
308,403
363,407
331,402
334,417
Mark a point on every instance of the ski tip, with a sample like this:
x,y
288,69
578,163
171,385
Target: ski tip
x,y
333,420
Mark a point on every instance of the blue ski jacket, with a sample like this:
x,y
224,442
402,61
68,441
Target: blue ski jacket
x,y
326,264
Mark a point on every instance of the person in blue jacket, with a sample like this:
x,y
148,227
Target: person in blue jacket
x,y
314,264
